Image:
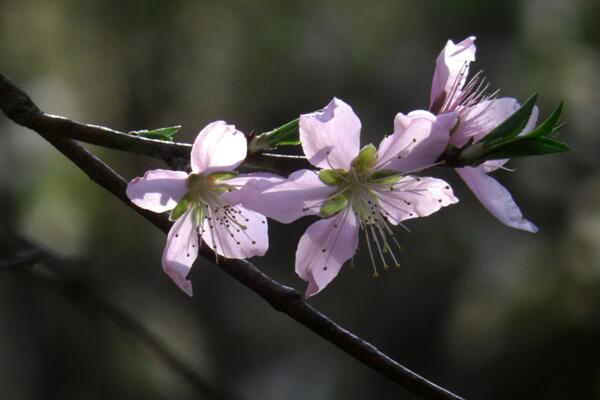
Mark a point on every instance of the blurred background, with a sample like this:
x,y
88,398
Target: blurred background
x,y
486,311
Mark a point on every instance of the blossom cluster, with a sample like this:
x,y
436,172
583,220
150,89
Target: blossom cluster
x,y
352,189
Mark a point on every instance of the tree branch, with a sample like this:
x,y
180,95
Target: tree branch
x,y
17,106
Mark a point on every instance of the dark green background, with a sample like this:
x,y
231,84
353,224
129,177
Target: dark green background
x,y
489,312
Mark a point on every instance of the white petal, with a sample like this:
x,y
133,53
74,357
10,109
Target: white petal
x,y
477,121
451,70
158,190
301,194
242,235
324,248
495,198
331,137
218,147
181,251
414,197
419,138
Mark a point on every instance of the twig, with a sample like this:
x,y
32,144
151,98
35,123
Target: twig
x,y
19,107
86,296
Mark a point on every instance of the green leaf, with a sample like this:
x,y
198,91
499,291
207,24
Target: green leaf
x,y
537,142
286,135
165,134
332,177
513,125
366,159
525,147
333,205
180,209
385,177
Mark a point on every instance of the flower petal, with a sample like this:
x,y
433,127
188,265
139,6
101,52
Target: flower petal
x,y
246,186
418,140
324,248
479,120
331,137
413,197
495,198
158,190
244,235
218,147
451,69
301,194
181,251
532,121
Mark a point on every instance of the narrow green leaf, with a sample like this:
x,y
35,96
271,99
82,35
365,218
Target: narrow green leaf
x,y
513,125
366,159
333,205
523,148
165,134
332,177
286,135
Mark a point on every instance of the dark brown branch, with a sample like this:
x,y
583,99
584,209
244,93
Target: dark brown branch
x,y
86,296
19,107
175,155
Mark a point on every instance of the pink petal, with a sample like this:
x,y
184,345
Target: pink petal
x,y
419,138
245,237
500,113
495,198
324,248
479,120
331,137
249,185
218,147
158,190
532,121
301,194
492,165
451,69
181,251
414,197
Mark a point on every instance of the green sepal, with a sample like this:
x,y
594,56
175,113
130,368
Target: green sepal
x,y
333,205
385,177
286,135
332,177
180,209
366,159
165,134
221,176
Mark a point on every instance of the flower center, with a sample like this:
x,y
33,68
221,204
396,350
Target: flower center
x,y
211,215
358,189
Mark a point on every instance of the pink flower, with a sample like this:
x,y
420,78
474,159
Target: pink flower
x,y
199,206
356,189
478,114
